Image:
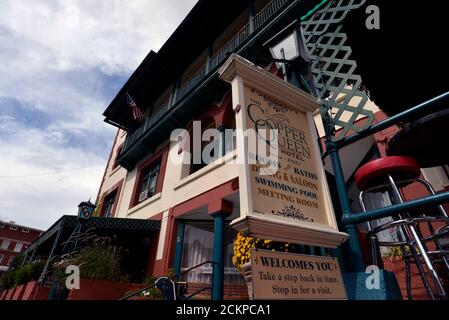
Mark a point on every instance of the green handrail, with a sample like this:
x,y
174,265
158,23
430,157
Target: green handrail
x,y
134,293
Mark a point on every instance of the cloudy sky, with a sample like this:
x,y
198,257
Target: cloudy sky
x,y
61,63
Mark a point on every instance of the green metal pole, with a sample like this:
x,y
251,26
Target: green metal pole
x,y
410,114
356,264
429,201
179,245
218,256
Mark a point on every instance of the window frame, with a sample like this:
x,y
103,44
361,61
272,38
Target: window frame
x,y
20,245
117,188
108,205
151,175
118,152
159,157
2,247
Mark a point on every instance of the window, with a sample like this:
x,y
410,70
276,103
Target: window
x,y
10,261
197,166
26,230
2,226
197,247
5,244
108,204
1,258
18,247
12,228
117,155
148,182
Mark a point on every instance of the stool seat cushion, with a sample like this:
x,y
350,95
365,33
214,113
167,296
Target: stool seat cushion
x,y
375,173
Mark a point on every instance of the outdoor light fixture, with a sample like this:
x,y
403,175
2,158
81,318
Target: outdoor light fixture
x,y
85,209
289,51
288,44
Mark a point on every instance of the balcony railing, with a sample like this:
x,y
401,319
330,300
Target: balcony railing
x,y
259,20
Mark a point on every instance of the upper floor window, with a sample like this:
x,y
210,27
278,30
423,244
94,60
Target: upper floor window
x,y
149,181
26,230
195,165
2,225
108,204
5,244
1,258
13,228
10,261
117,155
18,247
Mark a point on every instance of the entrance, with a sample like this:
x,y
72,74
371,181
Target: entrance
x,y
197,247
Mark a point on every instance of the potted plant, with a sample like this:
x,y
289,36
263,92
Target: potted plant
x,y
152,293
99,262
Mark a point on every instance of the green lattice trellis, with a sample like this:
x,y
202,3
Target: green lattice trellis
x,y
338,87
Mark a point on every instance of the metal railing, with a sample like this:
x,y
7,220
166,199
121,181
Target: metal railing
x,y
189,85
267,12
149,122
176,276
350,219
259,20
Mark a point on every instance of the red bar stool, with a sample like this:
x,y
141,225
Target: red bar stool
x,y
389,175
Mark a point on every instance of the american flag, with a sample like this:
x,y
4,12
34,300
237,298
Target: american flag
x,y
137,114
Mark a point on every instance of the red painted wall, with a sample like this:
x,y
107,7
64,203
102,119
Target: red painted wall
x,y
15,236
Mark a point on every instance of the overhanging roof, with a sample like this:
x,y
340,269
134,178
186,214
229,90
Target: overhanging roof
x,y
405,62
196,32
102,225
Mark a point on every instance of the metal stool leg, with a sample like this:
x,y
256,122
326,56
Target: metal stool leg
x,y
414,254
443,213
373,239
420,246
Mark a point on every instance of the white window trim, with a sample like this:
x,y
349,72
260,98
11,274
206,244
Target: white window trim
x,y
2,246
20,245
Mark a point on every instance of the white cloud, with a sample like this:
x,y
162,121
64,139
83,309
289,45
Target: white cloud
x,y
62,63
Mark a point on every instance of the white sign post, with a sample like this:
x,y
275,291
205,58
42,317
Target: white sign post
x,y
291,204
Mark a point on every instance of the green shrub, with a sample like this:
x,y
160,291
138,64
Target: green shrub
x,y
99,262
22,274
8,280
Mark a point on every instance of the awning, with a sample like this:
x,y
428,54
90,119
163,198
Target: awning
x,y
104,226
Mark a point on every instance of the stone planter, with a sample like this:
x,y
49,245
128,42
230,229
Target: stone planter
x,y
33,291
9,294
18,293
101,290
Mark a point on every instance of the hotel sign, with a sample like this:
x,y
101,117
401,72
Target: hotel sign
x,y
283,190
284,276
